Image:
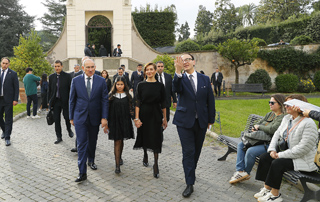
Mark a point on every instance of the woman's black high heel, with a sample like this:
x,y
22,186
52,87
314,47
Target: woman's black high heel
x,y
117,171
145,162
156,171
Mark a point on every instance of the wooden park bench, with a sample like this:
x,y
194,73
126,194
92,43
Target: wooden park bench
x,y
291,176
248,87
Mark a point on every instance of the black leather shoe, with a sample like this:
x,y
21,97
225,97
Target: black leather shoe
x,y
156,171
74,149
2,135
121,162
8,143
145,162
81,177
58,141
92,165
188,191
117,170
71,134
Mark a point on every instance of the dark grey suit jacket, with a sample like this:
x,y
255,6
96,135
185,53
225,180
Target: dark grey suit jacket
x,y
169,93
10,87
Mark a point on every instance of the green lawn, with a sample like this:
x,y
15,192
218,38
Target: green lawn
x,y
234,113
19,108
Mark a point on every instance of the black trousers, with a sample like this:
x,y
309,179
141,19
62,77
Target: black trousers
x,y
34,99
271,170
6,124
168,114
57,108
217,88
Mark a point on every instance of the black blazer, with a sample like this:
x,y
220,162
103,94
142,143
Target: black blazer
x,y
168,88
213,78
64,88
126,75
115,52
10,87
135,79
77,74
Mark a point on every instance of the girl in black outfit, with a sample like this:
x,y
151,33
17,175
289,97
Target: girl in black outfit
x,y
119,121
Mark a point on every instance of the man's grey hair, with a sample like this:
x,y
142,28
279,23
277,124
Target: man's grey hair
x,y
76,65
84,62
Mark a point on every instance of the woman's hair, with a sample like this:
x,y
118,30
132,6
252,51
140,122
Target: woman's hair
x,y
106,73
147,65
43,78
298,97
114,88
280,99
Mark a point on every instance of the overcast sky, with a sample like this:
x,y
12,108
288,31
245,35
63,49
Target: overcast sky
x,y
187,10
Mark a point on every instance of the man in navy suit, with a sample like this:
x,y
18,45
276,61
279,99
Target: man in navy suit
x,y
136,77
88,108
166,79
9,93
194,114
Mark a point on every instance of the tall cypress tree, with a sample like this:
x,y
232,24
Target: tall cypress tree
x,y
14,21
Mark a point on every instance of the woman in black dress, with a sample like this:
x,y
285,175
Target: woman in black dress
x,y
105,75
149,112
119,121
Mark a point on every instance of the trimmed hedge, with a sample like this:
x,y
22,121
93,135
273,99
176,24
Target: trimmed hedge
x,y
187,45
209,47
260,42
301,40
260,76
156,28
287,83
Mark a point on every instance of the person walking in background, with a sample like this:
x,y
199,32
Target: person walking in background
x,y
9,93
117,51
166,80
136,77
105,75
216,80
103,51
88,109
195,113
87,50
30,86
76,71
246,157
121,73
119,121
44,93
150,113
58,94
93,50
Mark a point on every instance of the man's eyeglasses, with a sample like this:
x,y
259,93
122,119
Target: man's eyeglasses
x,y
187,60
272,103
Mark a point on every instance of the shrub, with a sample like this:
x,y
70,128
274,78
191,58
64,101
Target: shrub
x,y
260,42
301,40
168,63
260,76
286,83
306,86
316,80
209,47
187,45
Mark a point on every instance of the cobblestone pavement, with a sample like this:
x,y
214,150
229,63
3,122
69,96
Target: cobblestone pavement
x,y
35,169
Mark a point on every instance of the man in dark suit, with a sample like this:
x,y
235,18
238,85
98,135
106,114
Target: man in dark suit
x,y
195,113
76,71
59,89
88,109
166,79
136,77
9,93
117,51
216,80
121,73
87,50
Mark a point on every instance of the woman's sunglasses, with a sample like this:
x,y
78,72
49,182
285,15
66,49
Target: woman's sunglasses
x,y
272,103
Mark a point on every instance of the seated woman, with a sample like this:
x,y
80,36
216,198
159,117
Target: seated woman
x,y
300,134
269,124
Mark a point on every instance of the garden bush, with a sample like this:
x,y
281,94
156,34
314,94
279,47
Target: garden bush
x,y
301,40
209,47
260,42
260,76
286,83
316,80
187,45
306,86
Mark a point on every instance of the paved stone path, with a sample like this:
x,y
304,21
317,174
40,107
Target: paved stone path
x,y
35,169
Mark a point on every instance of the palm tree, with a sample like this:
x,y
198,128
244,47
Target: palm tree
x,y
247,13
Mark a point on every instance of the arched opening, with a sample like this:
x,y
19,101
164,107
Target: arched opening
x,y
99,32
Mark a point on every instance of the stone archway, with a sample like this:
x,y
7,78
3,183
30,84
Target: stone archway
x,y
99,32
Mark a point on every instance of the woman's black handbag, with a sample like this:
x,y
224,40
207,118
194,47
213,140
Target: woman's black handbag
x,y
282,145
50,119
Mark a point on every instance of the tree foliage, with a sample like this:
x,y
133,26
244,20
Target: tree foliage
x,y
247,14
239,52
187,46
225,17
184,32
14,21
203,22
29,53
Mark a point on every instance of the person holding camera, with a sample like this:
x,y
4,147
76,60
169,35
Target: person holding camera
x,y
266,127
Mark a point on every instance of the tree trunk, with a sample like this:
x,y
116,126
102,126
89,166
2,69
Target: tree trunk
x,y
237,74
